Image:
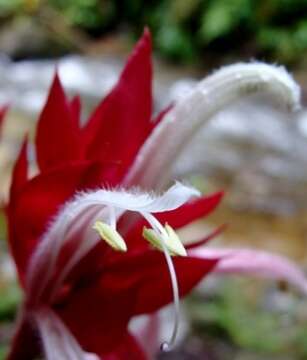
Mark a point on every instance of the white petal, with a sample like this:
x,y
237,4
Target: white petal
x,y
254,262
146,328
173,198
58,342
161,150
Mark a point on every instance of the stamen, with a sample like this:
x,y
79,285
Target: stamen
x,y
172,241
167,345
174,244
110,235
152,236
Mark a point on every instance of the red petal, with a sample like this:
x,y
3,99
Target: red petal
x,y
191,211
156,120
20,171
98,316
38,202
75,108
150,272
121,122
57,138
98,310
207,238
130,285
19,180
128,345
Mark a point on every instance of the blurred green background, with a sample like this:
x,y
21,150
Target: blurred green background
x,y
184,31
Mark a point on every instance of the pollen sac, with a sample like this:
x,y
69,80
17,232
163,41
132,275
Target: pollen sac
x,y
110,235
172,241
151,236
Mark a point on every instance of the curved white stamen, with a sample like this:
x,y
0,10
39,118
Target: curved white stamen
x,y
155,160
167,345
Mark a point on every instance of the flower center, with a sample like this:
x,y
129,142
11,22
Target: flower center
x,y
163,238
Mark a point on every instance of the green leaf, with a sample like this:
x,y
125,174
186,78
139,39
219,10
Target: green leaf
x,y
175,43
221,17
10,297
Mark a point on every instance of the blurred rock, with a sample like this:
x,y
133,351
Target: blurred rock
x,y
25,84
25,37
252,149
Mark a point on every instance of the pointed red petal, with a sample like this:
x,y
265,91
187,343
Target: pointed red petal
x,y
191,211
158,118
121,122
75,108
57,138
207,238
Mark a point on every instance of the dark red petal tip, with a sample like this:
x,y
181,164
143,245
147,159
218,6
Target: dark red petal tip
x,y
20,171
122,121
57,137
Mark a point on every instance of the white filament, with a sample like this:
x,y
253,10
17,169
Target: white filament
x,y
167,345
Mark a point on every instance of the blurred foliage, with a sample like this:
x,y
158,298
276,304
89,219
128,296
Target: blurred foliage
x,y
3,229
186,31
10,297
10,294
90,15
247,318
3,351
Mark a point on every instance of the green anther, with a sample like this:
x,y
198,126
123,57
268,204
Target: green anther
x,y
110,235
173,242
151,236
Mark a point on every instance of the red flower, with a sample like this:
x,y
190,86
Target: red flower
x,y
80,294
105,288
